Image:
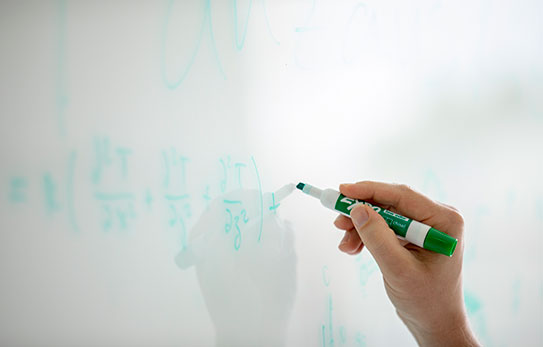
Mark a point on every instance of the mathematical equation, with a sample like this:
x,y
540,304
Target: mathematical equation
x,y
107,182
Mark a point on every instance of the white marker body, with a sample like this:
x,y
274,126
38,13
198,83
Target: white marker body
x,y
329,198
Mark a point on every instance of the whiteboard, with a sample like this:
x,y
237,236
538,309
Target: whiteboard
x,y
142,145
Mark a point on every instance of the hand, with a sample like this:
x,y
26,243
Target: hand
x,y
425,287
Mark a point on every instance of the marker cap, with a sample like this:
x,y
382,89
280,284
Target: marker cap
x,y
440,242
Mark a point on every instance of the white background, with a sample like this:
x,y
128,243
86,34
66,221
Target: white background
x,y
443,96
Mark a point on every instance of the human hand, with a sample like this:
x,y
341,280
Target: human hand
x,y
425,287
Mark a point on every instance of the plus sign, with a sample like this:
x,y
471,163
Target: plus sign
x,y
274,206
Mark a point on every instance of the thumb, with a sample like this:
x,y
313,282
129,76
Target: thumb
x,y
380,240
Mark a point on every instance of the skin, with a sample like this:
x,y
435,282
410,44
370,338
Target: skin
x,y
424,287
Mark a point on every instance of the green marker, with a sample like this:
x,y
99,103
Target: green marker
x,y
405,228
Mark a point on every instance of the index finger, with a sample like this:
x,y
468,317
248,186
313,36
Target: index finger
x,y
400,197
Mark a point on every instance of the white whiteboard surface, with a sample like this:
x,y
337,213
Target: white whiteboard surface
x,y
133,132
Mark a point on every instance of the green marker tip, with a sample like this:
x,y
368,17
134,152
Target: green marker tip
x,y
300,186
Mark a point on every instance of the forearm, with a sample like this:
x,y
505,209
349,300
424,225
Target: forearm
x,y
457,334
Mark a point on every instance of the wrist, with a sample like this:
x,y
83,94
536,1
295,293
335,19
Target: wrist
x,y
451,332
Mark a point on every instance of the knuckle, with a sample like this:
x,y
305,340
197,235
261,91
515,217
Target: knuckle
x,y
343,222
405,188
456,217
450,207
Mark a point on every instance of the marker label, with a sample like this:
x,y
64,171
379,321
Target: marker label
x,y
399,223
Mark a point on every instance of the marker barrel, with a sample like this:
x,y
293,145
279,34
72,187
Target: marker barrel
x,y
415,232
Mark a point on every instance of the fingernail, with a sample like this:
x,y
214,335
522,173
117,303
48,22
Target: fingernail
x,y
359,215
